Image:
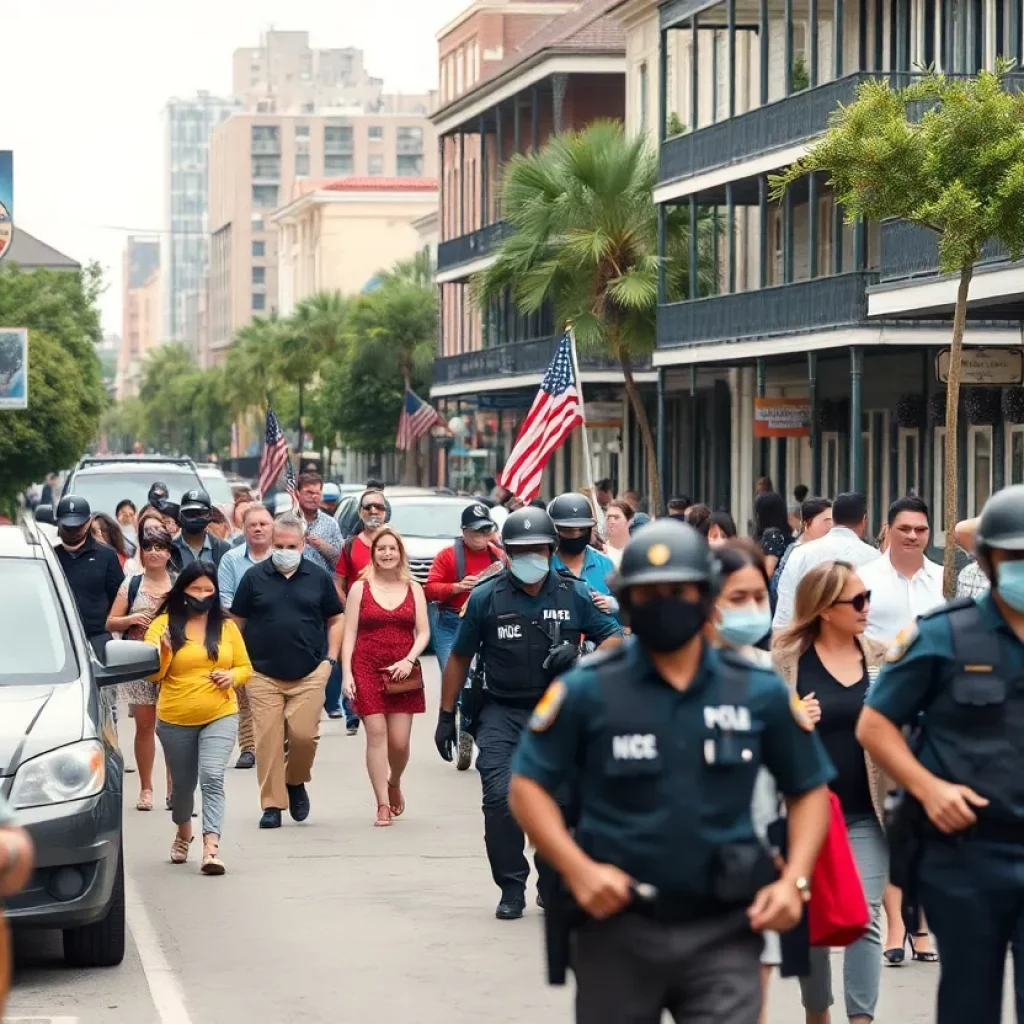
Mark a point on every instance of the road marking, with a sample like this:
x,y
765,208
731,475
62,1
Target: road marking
x,y
164,987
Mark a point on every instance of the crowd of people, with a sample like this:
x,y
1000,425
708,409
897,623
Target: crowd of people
x,y
265,624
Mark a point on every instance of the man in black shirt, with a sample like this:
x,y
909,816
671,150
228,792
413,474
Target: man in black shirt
x,y
92,569
291,618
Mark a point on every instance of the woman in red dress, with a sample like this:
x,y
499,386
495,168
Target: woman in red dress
x,y
386,631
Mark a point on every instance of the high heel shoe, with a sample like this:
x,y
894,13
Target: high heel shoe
x,y
927,957
894,957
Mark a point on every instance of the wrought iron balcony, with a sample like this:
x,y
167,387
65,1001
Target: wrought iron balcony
x,y
910,251
818,304
472,246
515,358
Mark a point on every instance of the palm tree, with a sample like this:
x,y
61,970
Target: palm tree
x,y
418,270
584,238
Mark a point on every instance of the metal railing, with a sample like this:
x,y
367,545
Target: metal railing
x,y
471,246
266,147
912,251
817,304
409,147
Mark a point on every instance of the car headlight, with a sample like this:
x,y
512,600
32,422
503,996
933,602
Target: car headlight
x,y
73,772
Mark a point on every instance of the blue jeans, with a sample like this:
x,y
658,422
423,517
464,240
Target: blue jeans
x,y
446,625
332,692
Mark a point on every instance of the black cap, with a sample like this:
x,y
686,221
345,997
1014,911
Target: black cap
x,y
572,510
196,501
528,526
158,493
1002,520
476,517
665,551
73,511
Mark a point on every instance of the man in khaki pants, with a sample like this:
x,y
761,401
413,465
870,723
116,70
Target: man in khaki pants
x,y
291,618
15,869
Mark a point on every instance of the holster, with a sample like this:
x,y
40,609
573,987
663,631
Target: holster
x,y
905,822
561,916
472,699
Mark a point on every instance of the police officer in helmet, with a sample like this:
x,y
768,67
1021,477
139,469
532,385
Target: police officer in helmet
x,y
962,666
574,520
663,738
528,623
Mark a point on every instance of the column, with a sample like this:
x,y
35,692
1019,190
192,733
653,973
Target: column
x,y
837,39
694,453
462,183
484,212
662,212
860,244
880,36
662,85
762,38
714,75
787,237
898,14
812,392
812,224
517,139
765,230
442,206
535,118
764,454
788,51
662,453
812,63
730,16
558,87
694,72
730,242
961,28
856,405
862,35
693,248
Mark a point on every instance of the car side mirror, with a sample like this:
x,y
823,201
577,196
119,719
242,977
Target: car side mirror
x,y
126,660
44,514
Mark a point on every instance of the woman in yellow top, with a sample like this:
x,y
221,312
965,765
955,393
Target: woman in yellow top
x,y
202,660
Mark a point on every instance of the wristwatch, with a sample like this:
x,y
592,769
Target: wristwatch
x,y
803,887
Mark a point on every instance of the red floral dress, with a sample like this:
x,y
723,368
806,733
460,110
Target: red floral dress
x,y
384,636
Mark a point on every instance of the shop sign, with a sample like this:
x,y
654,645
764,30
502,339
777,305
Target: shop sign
x,y
782,417
989,367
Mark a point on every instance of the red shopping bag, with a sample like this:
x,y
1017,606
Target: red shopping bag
x,y
837,914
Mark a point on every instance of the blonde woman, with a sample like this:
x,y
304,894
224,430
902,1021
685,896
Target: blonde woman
x,y
385,633
825,659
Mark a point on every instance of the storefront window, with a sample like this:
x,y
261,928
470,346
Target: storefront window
x,y
1016,455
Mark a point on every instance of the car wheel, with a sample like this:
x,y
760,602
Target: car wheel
x,y
464,754
100,944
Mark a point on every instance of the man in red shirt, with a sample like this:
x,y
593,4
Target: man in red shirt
x,y
457,570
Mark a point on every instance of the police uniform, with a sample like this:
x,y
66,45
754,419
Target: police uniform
x,y
513,631
665,778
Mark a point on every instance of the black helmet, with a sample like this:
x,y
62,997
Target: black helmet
x,y
529,526
1002,520
572,510
665,551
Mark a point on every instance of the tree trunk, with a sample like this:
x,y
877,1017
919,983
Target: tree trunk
x,y
300,442
650,452
952,406
409,468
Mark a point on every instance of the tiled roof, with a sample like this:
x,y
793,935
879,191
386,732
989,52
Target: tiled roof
x,y
377,184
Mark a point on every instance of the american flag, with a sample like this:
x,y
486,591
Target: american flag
x,y
275,458
417,418
555,412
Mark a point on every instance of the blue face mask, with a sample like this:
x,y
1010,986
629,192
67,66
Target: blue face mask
x,y
742,627
1010,576
529,568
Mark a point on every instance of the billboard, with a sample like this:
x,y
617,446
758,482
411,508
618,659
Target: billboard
x,y
6,200
13,368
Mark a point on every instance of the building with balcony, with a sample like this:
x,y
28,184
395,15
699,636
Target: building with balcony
x,y
512,75
805,311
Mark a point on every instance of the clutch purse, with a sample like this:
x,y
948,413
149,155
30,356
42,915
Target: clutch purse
x,y
413,681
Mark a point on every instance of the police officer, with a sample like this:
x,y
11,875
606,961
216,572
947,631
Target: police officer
x,y
574,519
526,623
962,665
663,738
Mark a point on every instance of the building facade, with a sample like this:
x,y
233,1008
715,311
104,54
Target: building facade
x,y
338,236
256,160
141,312
512,75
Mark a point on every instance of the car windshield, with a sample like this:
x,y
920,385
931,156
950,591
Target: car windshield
x,y
104,490
33,632
216,487
434,519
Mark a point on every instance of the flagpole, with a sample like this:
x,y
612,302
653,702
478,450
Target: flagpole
x,y
589,465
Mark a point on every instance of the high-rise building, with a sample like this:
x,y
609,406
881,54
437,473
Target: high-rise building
x,y
185,242
140,311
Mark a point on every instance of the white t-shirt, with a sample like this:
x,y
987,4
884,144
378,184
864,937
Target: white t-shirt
x,y
897,601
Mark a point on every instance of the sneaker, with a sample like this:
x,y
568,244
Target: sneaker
x,y
247,759
352,730
336,714
271,818
510,908
298,802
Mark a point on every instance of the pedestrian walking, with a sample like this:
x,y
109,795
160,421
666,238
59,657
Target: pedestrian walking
x,y
573,516
526,623
771,528
386,631
258,525
16,858
135,606
323,536
826,659
242,502
195,543
669,883
617,520
202,660
107,531
127,518
355,552
219,526
953,675
292,622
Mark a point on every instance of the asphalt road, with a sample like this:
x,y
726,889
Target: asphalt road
x,y
334,921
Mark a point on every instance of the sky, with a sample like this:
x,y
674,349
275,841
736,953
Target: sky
x,y
84,85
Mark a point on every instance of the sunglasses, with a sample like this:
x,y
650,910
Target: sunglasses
x,y
859,601
373,508
151,545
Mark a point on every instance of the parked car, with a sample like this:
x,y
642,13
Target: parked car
x,y
347,512
103,480
60,766
216,485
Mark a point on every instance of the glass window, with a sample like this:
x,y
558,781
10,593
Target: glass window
x,y
408,166
259,250
264,196
259,275
302,131
1016,448
376,132
909,461
301,165
259,301
257,222
266,167
337,138
375,164
979,448
337,164
411,137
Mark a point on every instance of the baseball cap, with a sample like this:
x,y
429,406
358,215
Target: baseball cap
x,y
331,492
477,517
196,500
73,511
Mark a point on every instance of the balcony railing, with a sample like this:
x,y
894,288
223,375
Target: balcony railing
x,y
513,359
409,147
472,246
911,251
266,147
824,302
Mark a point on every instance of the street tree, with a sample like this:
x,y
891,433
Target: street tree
x,y
957,169
584,241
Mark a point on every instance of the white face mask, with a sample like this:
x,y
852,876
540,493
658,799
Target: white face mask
x,y
286,559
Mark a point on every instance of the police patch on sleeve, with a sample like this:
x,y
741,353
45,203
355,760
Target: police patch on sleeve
x,y
903,642
548,707
800,715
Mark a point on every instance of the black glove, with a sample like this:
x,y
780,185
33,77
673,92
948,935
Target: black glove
x,y
559,660
444,734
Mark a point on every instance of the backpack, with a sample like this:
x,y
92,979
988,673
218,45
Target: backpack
x,y
134,585
460,558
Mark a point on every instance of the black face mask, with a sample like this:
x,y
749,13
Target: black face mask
x,y
573,545
668,623
198,605
72,536
194,527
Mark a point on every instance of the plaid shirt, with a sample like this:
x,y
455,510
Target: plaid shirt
x,y
972,581
326,528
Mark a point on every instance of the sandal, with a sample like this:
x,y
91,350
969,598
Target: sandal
x,y
927,956
212,864
397,809
179,849
145,802
383,819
